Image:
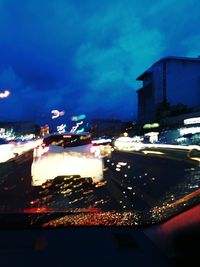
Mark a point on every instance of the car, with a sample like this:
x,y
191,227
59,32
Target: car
x,y
65,154
127,144
102,146
6,150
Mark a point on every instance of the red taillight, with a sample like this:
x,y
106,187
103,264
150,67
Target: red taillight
x,y
67,136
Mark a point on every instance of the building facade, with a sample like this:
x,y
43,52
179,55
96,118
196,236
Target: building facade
x,y
175,80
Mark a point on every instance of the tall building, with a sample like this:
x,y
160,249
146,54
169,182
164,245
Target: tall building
x,y
171,79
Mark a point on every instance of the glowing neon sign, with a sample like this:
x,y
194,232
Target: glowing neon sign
x,y
78,118
74,128
152,125
57,113
81,130
4,94
61,128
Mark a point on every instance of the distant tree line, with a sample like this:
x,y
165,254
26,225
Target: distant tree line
x,y
165,109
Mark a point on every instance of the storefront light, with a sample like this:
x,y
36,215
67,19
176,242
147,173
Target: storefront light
x,y
151,125
192,121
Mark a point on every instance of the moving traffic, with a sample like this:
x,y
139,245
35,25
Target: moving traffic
x,y
72,172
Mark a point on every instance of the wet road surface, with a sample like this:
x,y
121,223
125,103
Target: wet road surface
x,y
143,182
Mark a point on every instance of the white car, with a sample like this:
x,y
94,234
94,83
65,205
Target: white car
x,y
6,150
65,154
102,146
127,144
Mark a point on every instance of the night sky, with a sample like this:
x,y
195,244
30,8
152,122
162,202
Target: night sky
x,y
83,56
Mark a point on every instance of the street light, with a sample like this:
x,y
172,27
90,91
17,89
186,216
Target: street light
x,y
57,113
4,94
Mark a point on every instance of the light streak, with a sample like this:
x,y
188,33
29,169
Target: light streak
x,y
4,94
152,152
152,125
74,128
61,128
78,117
192,121
56,113
81,130
101,141
190,130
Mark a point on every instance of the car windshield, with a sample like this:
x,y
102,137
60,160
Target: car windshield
x,y
99,112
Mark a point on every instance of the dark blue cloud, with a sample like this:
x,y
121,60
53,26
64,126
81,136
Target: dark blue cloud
x,y
84,56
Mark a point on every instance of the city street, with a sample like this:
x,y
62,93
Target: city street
x,y
99,126
133,181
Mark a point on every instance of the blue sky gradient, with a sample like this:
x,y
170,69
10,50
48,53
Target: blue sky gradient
x,y
84,56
